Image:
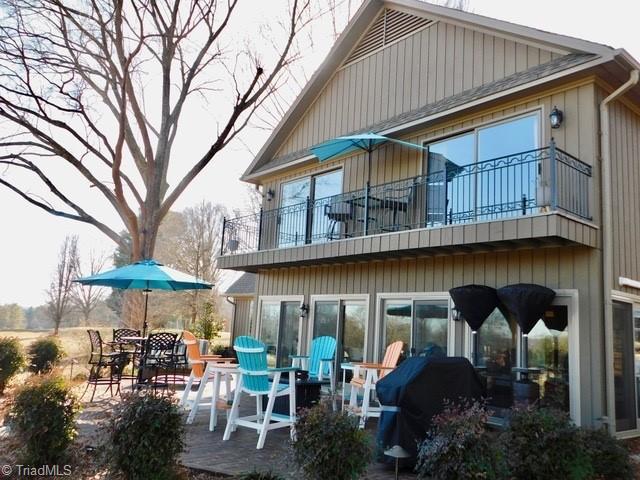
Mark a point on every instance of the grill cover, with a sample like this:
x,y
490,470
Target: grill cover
x,y
418,388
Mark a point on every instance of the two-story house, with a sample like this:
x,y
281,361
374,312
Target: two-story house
x,y
524,168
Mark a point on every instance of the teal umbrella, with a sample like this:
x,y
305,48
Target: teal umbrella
x,y
145,275
367,142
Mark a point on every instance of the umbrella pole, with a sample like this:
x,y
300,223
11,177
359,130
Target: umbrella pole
x,y
145,292
525,356
474,346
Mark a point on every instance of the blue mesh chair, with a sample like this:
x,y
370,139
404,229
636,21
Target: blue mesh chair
x,y
320,360
255,380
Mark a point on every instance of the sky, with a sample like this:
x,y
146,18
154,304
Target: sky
x,y
30,238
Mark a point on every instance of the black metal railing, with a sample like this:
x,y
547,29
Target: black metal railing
x,y
525,183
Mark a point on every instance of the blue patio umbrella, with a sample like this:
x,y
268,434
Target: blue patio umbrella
x,y
145,275
367,142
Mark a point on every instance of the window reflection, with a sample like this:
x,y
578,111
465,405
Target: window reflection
x,y
397,323
623,366
288,342
353,332
431,325
293,222
269,320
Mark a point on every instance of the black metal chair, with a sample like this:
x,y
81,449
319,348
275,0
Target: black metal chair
x,y
101,359
133,350
158,354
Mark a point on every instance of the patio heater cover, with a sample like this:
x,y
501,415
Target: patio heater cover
x,y
527,302
475,303
414,392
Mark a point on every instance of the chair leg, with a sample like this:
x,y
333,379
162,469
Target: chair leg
x,y
187,390
234,410
292,405
196,403
267,414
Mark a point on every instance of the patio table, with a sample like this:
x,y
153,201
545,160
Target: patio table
x,y
219,368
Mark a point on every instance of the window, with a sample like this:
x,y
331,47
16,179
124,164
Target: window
x,y
624,375
420,323
279,330
465,183
295,218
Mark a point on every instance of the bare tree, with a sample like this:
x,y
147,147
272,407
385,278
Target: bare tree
x,y
97,89
60,290
87,297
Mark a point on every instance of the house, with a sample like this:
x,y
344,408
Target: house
x,y
241,294
529,172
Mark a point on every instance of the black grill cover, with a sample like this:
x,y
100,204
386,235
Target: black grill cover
x,y
527,302
475,303
418,387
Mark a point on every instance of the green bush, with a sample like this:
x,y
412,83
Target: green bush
x,y
12,360
260,476
330,445
44,354
608,456
145,437
43,416
208,326
458,446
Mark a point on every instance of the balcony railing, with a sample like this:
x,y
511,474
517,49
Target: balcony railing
x,y
535,181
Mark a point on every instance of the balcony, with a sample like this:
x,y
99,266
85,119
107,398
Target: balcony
x,y
538,183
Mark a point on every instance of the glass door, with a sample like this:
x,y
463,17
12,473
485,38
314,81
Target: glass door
x,y
624,376
325,224
280,331
269,325
292,218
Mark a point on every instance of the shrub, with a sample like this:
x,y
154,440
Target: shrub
x,y
44,354
609,458
458,446
208,326
260,476
543,444
43,416
12,360
145,437
330,445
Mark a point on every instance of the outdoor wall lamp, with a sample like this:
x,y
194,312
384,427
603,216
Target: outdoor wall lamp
x,y
457,315
270,195
304,310
556,117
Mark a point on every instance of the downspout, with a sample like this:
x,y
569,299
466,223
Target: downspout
x,y
233,319
607,244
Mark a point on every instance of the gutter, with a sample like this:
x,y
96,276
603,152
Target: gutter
x,y
607,243
233,317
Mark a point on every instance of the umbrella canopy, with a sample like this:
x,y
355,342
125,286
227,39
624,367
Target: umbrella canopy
x,y
145,275
527,302
367,142
475,303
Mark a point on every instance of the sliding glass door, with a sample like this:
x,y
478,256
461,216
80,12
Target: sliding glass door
x,y
280,331
483,174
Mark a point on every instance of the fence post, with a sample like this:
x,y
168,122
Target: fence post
x,y
553,166
366,208
308,226
524,204
446,192
260,229
224,227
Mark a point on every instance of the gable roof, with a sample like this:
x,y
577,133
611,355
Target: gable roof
x,y
244,286
580,52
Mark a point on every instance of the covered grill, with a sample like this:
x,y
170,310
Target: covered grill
x,y
415,391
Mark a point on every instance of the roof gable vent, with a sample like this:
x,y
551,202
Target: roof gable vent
x,y
389,27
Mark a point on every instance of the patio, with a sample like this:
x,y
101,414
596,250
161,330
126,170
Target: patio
x,y
207,451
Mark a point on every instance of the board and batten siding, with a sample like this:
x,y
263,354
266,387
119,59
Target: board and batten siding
x,y
559,268
391,162
242,317
434,63
625,170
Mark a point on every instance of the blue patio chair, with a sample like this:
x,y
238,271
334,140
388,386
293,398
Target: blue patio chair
x,y
320,361
254,380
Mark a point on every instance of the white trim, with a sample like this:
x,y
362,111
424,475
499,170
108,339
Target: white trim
x,y
568,297
352,297
411,297
628,282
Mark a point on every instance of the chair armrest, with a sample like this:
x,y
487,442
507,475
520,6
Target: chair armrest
x,y
377,366
327,359
298,356
220,359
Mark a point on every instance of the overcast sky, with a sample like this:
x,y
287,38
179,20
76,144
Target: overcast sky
x,y
30,239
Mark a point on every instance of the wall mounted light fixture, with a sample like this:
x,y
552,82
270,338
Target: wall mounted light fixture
x,y
304,310
270,195
556,117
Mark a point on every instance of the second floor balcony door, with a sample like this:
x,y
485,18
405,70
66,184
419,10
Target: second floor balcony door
x,y
302,218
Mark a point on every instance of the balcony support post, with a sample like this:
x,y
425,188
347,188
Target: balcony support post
x,y
553,166
260,229
367,189
224,227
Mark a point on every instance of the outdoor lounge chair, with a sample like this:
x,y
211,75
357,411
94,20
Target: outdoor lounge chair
x,y
254,380
199,374
319,363
365,376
